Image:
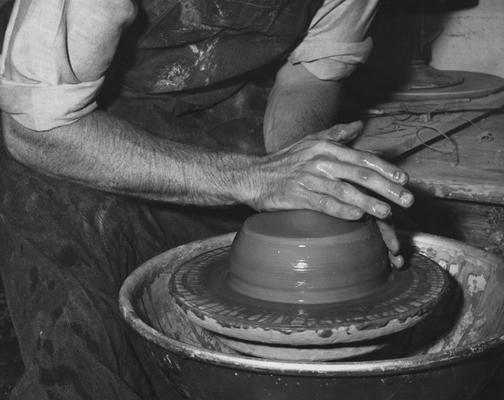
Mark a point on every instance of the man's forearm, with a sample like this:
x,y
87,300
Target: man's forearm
x,y
110,154
299,104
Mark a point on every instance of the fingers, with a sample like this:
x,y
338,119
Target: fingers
x,y
337,205
332,177
374,163
331,206
346,202
360,167
347,194
371,180
342,133
366,159
390,238
397,261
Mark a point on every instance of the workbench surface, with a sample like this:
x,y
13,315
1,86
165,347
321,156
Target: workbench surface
x,y
468,168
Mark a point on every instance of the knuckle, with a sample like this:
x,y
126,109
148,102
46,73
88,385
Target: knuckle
x,y
364,174
319,163
303,179
341,190
347,190
301,187
323,202
296,186
322,145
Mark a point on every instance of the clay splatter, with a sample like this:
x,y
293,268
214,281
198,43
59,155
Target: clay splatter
x,y
476,284
454,269
173,76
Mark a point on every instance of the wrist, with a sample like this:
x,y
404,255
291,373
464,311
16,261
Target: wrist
x,y
249,181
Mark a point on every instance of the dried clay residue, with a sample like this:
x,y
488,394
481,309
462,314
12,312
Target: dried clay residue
x,y
476,284
463,327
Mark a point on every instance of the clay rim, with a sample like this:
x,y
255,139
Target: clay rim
x,y
348,237
294,353
198,287
294,256
148,271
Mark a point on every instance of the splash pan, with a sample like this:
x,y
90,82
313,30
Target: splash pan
x,y
450,355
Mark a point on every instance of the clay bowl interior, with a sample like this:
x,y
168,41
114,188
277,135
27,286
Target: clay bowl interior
x,y
450,355
307,257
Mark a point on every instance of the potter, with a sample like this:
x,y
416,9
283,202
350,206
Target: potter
x,y
133,126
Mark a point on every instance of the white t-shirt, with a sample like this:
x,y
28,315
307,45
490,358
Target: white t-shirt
x,y
56,53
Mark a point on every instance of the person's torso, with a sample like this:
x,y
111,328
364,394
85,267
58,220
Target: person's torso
x,y
192,44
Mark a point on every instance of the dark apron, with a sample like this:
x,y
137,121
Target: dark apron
x,y
66,249
195,44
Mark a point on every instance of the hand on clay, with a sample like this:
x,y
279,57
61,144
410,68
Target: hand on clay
x,y
320,173
390,238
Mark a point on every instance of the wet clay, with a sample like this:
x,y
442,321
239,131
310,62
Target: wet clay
x,y
307,257
300,353
450,354
199,286
304,278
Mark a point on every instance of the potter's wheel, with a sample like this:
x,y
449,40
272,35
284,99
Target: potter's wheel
x,y
200,288
450,355
330,295
456,85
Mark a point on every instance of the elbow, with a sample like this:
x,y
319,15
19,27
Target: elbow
x,y
23,144
12,139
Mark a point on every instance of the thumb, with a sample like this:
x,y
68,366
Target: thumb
x,y
342,133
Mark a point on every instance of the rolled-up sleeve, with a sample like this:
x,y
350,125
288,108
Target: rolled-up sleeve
x,y
40,81
337,40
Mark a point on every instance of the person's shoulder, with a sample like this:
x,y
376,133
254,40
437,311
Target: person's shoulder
x,y
115,11
127,9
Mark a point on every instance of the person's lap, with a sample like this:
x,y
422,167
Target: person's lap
x,y
66,250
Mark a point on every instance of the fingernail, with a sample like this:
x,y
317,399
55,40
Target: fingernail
x,y
400,177
356,212
399,262
382,210
406,198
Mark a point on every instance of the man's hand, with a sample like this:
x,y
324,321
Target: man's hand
x,y
390,238
320,173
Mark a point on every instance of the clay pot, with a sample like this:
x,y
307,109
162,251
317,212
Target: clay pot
x,y
307,257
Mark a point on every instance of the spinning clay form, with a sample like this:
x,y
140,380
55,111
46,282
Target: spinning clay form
x,y
307,257
301,278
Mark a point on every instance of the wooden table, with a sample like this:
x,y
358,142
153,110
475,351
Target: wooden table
x,y
459,189
459,185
